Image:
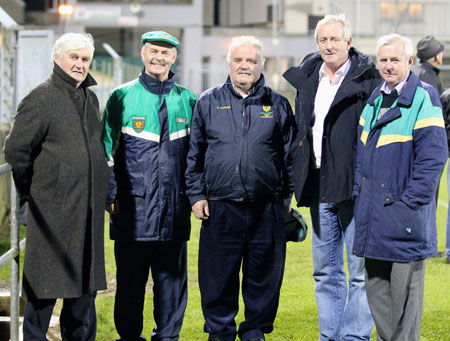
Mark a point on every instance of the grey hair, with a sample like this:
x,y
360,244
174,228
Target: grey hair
x,y
246,40
393,37
72,41
331,18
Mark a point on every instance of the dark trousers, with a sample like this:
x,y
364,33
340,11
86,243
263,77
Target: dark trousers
x,y
78,320
395,294
251,234
168,264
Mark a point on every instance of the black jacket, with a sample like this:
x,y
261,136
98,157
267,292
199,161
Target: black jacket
x,y
340,127
239,147
428,74
445,99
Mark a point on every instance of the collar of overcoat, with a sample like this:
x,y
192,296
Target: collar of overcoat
x,y
89,81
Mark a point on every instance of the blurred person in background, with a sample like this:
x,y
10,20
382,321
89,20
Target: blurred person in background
x,y
430,53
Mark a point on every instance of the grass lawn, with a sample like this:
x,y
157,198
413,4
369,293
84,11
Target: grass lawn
x,y
297,313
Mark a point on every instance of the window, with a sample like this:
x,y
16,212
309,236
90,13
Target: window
x,y
406,12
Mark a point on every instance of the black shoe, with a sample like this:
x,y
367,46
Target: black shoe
x,y
448,260
256,339
441,255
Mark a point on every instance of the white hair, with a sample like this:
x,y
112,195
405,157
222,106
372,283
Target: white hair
x,y
331,18
72,41
393,37
246,40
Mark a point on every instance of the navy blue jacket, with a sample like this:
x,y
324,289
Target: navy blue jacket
x,y
339,131
146,137
239,147
399,163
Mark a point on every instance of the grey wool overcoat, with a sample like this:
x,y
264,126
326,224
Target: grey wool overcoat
x,y
59,164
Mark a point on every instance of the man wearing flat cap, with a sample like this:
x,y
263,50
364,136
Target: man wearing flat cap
x,y
430,53
146,127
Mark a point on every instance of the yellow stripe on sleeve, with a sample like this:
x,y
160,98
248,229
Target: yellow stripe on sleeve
x,y
362,121
430,122
364,136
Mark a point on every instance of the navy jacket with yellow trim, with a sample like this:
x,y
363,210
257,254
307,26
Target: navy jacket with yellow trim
x,y
400,158
146,127
239,147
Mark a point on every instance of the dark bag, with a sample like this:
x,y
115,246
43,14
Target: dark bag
x,y
295,227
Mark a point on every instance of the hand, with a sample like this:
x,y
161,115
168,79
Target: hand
x,y
201,209
112,208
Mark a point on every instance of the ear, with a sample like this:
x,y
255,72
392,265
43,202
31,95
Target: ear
x,y
174,58
411,61
56,59
143,52
349,43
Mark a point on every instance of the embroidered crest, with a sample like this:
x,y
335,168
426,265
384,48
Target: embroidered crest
x,y
180,120
138,123
266,113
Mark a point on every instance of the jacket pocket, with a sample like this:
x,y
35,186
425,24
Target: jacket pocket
x,y
62,184
131,180
403,223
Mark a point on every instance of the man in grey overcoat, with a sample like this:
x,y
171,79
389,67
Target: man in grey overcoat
x,y
58,164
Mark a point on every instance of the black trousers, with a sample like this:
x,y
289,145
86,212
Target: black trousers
x,y
78,319
251,235
168,264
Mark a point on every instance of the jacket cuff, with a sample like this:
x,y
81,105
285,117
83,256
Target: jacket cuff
x,y
196,198
408,203
112,189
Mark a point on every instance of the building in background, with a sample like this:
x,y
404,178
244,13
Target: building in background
x,y
205,28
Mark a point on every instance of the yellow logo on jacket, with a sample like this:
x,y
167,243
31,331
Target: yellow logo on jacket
x,y
266,113
138,123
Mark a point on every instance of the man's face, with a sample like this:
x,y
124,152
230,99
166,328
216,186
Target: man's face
x,y
158,57
245,67
332,46
75,63
393,64
439,57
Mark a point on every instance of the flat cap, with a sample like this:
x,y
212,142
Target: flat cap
x,y
428,47
159,36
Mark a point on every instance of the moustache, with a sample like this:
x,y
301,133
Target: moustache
x,y
245,72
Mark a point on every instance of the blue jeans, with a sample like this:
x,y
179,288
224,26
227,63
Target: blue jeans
x,y
343,309
447,225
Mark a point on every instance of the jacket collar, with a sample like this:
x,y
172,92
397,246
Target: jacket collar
x,y
259,84
154,85
406,96
61,74
308,70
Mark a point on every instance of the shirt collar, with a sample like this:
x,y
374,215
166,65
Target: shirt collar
x,y
399,87
340,73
